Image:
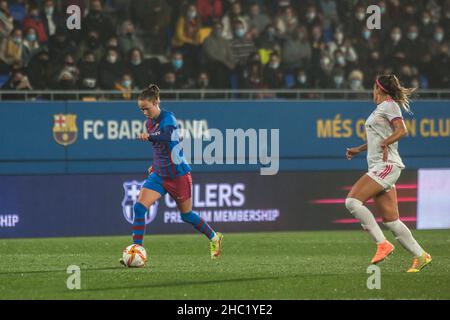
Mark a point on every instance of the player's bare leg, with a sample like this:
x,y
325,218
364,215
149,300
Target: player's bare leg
x,y
191,217
146,198
364,189
387,205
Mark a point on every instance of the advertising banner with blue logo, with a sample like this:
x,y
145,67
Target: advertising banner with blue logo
x,y
100,137
93,205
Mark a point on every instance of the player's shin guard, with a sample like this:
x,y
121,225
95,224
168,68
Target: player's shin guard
x,y
198,223
139,223
405,237
366,218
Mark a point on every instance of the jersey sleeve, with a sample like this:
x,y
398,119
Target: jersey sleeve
x,y
169,121
391,111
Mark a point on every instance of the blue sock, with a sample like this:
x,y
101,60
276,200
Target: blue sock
x,y
201,225
139,223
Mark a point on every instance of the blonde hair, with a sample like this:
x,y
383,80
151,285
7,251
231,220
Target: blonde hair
x,y
390,85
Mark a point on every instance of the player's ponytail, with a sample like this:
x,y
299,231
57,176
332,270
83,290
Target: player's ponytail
x,y
389,84
149,93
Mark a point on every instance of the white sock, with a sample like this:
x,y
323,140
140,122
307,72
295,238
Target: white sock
x,y
367,219
405,237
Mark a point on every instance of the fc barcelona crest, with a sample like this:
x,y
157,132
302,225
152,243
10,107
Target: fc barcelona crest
x,y
65,129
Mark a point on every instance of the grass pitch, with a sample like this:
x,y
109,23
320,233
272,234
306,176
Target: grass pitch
x,y
288,265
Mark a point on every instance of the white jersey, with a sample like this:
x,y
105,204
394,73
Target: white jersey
x,y
378,128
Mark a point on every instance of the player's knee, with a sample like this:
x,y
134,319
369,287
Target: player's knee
x,y
139,208
352,204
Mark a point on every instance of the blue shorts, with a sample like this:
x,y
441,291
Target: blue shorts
x,y
179,188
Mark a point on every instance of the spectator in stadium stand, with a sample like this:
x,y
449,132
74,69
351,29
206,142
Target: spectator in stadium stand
x,y
415,45
267,43
312,17
408,15
210,11
407,74
91,42
356,23
6,20
143,71
339,81
241,46
286,21
203,83
329,11
273,74
51,18
31,44
355,80
234,14
324,76
184,77
302,80
59,45
113,42
365,44
218,57
439,38
68,65
12,50
66,81
17,81
128,38
88,67
257,20
34,20
254,79
296,50
39,71
317,47
126,86
152,18
394,48
111,69
187,38
426,25
99,20
441,67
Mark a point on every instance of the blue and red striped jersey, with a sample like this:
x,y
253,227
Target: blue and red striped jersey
x,y
161,131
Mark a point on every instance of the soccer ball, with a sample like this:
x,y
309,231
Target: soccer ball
x,y
134,256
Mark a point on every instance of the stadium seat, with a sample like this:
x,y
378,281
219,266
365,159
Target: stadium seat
x,y
17,12
3,79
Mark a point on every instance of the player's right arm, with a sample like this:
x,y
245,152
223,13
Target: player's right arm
x,y
351,152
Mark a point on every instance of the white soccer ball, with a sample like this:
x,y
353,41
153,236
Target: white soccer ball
x,y
134,256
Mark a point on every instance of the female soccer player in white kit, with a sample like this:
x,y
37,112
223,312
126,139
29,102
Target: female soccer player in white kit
x,y
384,128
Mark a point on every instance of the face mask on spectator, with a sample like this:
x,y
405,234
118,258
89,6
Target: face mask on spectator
x,y
302,79
34,14
355,84
426,21
136,61
126,83
325,62
339,37
338,79
31,37
89,82
112,58
366,34
49,11
311,15
382,10
274,65
340,60
396,36
240,32
439,36
192,14
412,35
17,40
177,64
360,16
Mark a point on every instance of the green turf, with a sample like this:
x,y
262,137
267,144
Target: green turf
x,y
290,265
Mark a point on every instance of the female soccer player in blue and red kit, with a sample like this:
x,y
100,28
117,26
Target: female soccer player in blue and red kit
x,y
166,175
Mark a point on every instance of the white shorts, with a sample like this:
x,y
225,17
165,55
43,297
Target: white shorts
x,y
385,174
